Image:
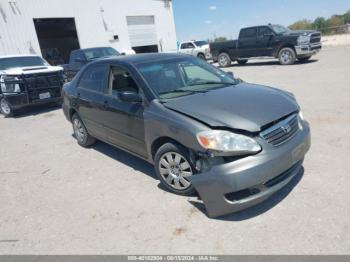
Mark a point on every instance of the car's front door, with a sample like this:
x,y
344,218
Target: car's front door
x,y
187,48
123,121
90,98
265,41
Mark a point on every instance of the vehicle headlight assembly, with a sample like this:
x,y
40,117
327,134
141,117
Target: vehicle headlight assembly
x,y
10,87
304,39
228,142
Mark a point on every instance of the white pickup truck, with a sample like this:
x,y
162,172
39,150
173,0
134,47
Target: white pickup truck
x,y
199,49
27,80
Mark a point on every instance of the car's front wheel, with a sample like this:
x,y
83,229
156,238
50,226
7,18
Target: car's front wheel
x,y
81,133
287,56
5,108
224,60
173,167
201,56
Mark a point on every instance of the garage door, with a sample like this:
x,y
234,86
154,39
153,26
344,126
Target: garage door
x,y
142,30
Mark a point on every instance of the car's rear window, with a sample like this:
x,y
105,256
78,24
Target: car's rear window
x,y
24,61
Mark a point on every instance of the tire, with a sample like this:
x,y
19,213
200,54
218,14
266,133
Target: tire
x,y
287,56
5,108
172,165
304,59
201,56
80,132
224,60
242,62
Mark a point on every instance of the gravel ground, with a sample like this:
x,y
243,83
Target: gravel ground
x,y
58,198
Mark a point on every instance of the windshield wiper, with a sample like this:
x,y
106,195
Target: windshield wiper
x,y
182,91
211,83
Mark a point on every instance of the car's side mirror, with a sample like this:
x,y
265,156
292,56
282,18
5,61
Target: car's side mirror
x,y
130,97
231,75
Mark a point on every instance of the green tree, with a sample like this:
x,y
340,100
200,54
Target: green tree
x,y
347,17
335,20
301,25
319,23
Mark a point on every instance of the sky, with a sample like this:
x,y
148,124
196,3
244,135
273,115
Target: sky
x,y
204,19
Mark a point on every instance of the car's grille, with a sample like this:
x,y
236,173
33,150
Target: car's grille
x,y
315,38
282,131
42,81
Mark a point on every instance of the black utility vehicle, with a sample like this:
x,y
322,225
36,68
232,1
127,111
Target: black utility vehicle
x,y
234,143
79,58
267,41
27,80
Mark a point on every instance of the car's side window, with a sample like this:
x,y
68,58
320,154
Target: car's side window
x,y
262,31
183,45
120,80
76,55
93,78
248,33
190,45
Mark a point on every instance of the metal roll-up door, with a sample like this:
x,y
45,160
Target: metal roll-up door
x,y
142,30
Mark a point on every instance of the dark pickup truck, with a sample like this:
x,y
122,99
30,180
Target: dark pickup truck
x,y
79,58
267,41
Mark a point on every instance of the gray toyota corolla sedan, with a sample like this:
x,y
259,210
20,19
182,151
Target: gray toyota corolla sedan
x,y
233,143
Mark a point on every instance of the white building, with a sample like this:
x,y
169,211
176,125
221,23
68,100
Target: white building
x,y
55,27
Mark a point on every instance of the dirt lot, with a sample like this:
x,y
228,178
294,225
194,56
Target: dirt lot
x,y
58,198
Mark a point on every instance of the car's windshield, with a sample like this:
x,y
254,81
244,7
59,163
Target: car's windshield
x,y
94,53
183,76
23,61
200,43
279,29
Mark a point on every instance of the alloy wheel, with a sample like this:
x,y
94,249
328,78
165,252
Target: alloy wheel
x,y
175,169
286,57
223,61
5,107
79,130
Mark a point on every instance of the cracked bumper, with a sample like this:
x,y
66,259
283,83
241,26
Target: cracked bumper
x,y
244,183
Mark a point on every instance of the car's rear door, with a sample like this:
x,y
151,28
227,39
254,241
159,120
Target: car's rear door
x,y
123,121
90,98
247,43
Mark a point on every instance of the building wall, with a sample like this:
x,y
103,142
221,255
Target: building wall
x,y
96,22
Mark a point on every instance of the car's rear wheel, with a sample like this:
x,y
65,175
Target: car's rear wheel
x,y
242,61
80,132
173,167
5,108
304,59
201,56
224,60
287,56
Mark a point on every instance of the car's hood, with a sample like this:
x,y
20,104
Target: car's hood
x,y
244,106
301,32
31,70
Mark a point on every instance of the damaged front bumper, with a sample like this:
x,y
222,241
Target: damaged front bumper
x,y
243,183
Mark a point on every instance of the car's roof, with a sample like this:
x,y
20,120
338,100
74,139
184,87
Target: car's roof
x,y
19,55
143,58
93,48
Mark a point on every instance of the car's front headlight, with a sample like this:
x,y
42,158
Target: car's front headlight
x,y
228,142
9,87
304,39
